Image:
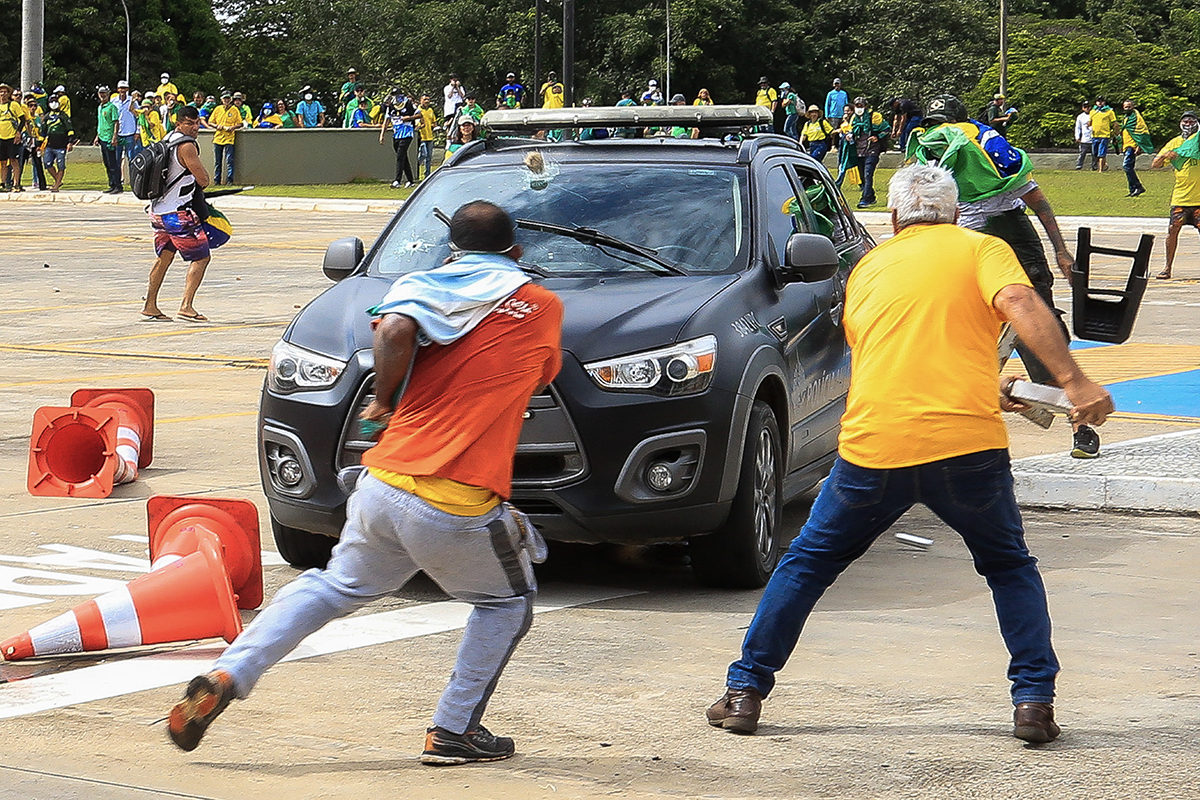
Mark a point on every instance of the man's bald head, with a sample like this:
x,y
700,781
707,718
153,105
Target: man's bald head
x,y
481,227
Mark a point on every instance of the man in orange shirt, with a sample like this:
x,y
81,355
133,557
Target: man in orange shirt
x,y
479,339
922,425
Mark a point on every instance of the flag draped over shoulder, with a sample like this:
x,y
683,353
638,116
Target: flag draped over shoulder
x,y
1135,127
1190,149
972,158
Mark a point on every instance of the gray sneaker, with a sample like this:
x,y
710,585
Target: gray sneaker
x,y
1086,443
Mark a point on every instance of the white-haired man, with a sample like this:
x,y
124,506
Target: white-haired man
x,y
922,425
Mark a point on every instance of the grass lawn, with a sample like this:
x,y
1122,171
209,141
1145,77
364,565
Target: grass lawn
x,y
1082,194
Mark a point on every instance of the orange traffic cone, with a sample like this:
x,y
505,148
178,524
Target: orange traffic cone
x,y
102,439
176,524
187,599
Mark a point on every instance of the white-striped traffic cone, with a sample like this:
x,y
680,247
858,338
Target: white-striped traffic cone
x,y
186,599
102,439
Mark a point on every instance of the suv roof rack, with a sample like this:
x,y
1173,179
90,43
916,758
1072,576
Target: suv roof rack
x,y
750,146
540,119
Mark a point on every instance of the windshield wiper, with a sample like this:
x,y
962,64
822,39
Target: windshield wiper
x,y
529,269
600,239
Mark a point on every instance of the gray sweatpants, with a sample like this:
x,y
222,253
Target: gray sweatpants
x,y
389,535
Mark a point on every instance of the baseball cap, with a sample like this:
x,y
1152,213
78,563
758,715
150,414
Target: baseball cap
x,y
59,89
352,71
467,120
103,89
238,96
678,99
785,85
763,79
268,107
653,83
225,94
1190,113
946,108
122,84
511,75
997,96
813,108
165,75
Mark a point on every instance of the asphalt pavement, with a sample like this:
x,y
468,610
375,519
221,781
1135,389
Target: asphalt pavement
x,y
897,690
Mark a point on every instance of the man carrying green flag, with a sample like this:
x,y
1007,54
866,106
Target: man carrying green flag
x,y
994,189
1182,153
1135,138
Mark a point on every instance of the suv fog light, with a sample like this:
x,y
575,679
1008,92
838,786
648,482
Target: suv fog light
x,y
659,477
290,472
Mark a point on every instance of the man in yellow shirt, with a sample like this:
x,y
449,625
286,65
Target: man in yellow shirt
x,y
13,119
1103,120
1182,153
552,92
225,119
425,127
922,425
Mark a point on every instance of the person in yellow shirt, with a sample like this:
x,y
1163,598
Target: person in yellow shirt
x,y
225,119
1182,153
816,134
552,92
64,102
150,126
922,425
1104,119
166,86
703,98
426,119
13,120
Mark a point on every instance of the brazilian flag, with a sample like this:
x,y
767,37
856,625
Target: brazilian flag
x,y
972,157
1138,131
217,226
1189,152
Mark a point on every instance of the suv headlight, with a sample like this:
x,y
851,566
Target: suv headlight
x,y
684,368
294,368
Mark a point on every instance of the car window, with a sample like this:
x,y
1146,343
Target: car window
x,y
693,217
826,206
785,214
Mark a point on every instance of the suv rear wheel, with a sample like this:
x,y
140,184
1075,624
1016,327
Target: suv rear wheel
x,y
744,552
302,549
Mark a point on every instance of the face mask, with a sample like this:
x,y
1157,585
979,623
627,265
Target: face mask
x,y
1189,127
54,105
165,81
308,97
860,109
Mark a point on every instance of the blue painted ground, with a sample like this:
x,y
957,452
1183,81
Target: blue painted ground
x,y
1171,395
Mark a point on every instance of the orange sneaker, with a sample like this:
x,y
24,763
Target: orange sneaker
x,y
205,698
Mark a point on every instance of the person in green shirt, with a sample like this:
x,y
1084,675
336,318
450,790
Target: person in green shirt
x,y
57,132
360,101
791,103
347,93
239,102
287,117
108,116
1135,138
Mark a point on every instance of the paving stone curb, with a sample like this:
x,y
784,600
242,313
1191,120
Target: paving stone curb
x,y
1156,473
242,203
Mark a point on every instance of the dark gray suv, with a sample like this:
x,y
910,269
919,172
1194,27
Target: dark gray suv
x,y
704,363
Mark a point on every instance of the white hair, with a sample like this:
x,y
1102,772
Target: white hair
x,y
923,193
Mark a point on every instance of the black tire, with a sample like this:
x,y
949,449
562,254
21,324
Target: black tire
x,y
302,549
743,553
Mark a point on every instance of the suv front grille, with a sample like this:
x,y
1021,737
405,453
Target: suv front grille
x,y
549,452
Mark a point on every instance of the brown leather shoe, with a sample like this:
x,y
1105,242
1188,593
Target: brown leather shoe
x,y
1034,722
737,711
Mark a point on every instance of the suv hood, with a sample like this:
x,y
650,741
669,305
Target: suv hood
x,y
603,316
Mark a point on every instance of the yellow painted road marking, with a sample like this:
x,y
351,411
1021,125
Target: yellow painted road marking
x,y
229,361
196,328
120,377
206,416
1164,419
61,308
1126,362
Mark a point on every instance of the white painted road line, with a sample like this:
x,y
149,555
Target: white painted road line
x,y
32,695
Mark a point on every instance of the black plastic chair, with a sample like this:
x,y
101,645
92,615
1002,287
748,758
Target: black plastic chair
x,y
1107,315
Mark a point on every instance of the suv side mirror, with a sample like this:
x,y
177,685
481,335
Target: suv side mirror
x,y
810,257
342,258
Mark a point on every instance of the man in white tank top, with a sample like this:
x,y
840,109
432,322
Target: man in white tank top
x,y
177,227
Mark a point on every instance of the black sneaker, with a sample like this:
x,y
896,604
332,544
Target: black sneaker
x,y
203,700
444,748
1086,443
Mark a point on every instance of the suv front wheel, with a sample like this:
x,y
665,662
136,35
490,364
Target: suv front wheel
x,y
302,549
744,552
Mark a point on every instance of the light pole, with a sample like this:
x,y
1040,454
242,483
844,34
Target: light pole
x,y
126,7
33,14
668,93
1004,47
568,53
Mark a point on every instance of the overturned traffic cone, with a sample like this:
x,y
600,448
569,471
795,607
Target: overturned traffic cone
x,y
188,599
177,524
102,439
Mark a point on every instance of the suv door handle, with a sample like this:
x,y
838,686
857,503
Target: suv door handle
x,y
835,312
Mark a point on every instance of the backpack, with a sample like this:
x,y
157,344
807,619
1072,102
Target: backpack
x,y
148,169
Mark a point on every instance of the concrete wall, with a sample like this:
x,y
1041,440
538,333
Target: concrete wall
x,y
299,155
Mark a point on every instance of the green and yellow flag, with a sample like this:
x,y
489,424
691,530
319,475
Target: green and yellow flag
x,y
950,145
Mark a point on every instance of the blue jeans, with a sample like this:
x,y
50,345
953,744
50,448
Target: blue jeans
x,y
791,126
225,151
1129,164
818,150
112,164
973,494
127,148
425,156
869,163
